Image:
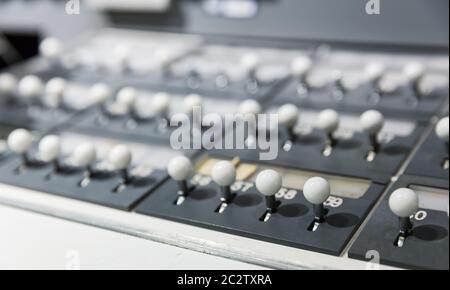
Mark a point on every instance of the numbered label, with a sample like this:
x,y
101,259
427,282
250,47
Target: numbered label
x,y
286,193
201,180
242,186
334,202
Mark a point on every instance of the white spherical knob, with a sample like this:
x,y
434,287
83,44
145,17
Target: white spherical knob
x,y
190,102
374,71
316,190
100,93
372,122
8,83
120,156
121,56
250,61
337,77
328,120
250,107
288,115
84,154
180,168
56,87
268,182
160,103
49,148
414,71
224,173
404,202
301,66
54,91
442,129
155,106
20,141
51,48
30,87
127,96
162,56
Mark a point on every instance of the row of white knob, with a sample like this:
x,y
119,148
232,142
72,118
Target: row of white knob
x,y
371,121
403,202
328,120
302,68
52,48
372,72
49,149
268,182
32,86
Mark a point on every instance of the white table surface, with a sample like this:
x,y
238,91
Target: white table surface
x,y
39,230
34,241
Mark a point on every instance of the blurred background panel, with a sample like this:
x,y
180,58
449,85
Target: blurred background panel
x,y
416,22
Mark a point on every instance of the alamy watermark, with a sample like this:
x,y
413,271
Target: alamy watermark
x,y
73,7
373,260
73,260
226,132
373,7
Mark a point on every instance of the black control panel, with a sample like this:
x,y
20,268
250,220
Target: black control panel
x,y
359,163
